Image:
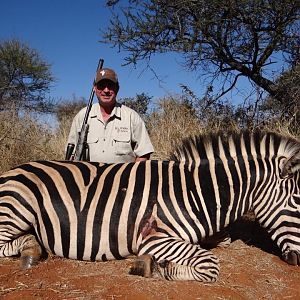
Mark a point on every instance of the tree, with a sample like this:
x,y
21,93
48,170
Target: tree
x,y
288,112
67,109
139,103
24,77
226,38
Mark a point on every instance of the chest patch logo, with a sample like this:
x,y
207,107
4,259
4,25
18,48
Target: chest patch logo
x,y
121,129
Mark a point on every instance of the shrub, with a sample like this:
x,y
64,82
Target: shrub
x,y
23,139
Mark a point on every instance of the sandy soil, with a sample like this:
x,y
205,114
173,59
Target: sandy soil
x,y
250,269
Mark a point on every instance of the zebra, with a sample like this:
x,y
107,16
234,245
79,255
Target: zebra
x,y
159,211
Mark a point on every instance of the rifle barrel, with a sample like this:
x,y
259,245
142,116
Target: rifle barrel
x,y
81,143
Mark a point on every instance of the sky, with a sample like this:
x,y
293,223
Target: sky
x,y
66,34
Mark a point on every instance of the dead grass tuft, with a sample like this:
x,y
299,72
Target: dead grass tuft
x,y
172,122
24,139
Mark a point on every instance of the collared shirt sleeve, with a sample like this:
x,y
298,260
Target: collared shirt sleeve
x,y
140,136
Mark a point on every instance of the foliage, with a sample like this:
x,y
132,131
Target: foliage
x,y
139,103
23,139
24,77
226,38
288,112
67,109
173,120
212,113
24,81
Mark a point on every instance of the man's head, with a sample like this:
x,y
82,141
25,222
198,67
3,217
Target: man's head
x,y
106,74
106,86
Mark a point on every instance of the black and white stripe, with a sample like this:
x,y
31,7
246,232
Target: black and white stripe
x,y
165,209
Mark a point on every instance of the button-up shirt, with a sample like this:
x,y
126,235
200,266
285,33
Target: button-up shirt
x,y
122,138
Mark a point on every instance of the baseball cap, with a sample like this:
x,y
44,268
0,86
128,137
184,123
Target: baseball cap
x,y
108,74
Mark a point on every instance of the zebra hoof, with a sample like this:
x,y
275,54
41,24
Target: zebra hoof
x,y
292,257
30,256
28,261
142,266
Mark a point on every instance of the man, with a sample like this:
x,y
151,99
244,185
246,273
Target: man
x,y
116,132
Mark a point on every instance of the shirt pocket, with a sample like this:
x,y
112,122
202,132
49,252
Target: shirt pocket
x,y
122,144
92,140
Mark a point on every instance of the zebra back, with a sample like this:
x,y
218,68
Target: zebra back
x,y
225,144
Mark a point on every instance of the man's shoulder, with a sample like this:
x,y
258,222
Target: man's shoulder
x,y
126,108
82,111
129,111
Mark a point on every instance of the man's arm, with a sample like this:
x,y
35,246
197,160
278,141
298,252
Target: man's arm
x,y
73,133
143,146
75,128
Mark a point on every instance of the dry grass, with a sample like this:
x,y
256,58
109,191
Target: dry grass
x,y
24,139
169,125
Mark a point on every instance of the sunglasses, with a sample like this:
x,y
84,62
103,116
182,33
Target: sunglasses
x,y
106,84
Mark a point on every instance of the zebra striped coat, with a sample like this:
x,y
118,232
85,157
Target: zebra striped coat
x,y
158,210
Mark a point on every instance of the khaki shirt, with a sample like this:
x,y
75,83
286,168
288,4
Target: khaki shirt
x,y
122,138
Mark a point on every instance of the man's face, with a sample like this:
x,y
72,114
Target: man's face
x,y
106,92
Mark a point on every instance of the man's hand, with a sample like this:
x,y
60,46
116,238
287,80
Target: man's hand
x,y
143,158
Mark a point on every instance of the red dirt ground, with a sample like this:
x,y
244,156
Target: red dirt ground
x,y
250,269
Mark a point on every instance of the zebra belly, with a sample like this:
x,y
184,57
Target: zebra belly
x,y
102,254
89,247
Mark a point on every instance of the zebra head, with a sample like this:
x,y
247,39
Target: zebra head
x,y
291,240
279,210
240,171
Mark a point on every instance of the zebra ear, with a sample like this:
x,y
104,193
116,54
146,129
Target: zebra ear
x,y
291,165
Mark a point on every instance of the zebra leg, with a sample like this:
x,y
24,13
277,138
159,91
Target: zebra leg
x,y
220,239
143,266
25,245
31,252
174,259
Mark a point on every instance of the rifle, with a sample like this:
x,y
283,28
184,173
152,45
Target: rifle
x,y
82,146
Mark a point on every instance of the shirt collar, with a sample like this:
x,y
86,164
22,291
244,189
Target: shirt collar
x,y
95,111
116,112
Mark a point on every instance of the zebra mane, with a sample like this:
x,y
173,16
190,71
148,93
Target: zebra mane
x,y
212,145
